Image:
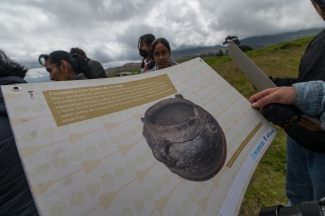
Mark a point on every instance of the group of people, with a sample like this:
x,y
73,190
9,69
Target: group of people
x,y
305,148
71,66
155,52
75,65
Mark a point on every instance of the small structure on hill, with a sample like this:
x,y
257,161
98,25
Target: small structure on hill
x,y
125,74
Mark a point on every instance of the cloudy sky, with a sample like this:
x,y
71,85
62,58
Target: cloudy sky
x,y
109,30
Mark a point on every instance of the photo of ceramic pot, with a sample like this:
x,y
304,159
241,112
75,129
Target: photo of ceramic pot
x,y
185,137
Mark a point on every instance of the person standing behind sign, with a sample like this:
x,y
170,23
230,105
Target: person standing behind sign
x,y
95,66
63,66
305,148
144,45
15,195
161,52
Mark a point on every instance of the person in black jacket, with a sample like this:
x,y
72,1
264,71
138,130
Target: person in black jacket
x,y
305,175
15,194
95,66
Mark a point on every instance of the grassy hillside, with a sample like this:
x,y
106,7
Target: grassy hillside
x,y
266,187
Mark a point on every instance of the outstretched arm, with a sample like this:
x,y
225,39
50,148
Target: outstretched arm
x,y
282,95
309,97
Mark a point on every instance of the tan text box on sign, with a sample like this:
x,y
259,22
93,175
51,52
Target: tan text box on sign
x,y
78,104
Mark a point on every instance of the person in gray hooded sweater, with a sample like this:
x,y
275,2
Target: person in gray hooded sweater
x,y
15,194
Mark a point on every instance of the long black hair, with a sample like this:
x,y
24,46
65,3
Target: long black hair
x,y
9,67
78,51
78,64
147,39
320,7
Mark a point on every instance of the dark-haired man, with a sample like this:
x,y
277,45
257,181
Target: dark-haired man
x,y
95,66
15,194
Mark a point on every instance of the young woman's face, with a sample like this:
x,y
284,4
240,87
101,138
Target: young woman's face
x,y
161,55
56,73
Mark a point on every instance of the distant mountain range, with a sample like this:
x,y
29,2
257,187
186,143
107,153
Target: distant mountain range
x,y
254,42
263,41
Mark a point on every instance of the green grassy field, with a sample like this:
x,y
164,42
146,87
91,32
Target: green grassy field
x,y
266,187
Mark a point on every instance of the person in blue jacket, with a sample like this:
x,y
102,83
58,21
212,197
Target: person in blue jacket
x,y
15,194
305,148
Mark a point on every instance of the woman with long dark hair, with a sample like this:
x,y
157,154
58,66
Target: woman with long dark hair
x,y
144,45
63,66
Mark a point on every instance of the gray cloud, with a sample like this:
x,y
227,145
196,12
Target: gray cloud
x,y
108,30
100,55
37,75
250,18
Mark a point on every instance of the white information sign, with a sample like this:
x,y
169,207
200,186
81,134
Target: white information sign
x,y
179,141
